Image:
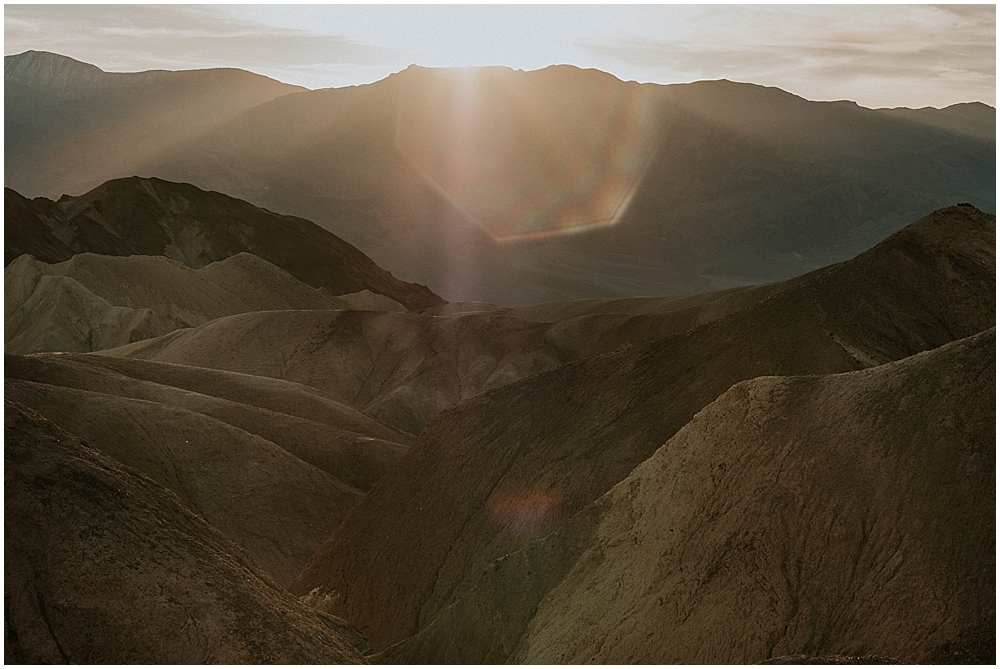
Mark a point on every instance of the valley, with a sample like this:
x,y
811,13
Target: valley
x,y
716,386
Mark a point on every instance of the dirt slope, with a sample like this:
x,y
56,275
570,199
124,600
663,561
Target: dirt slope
x,y
405,368
552,444
104,566
334,437
92,302
238,482
745,537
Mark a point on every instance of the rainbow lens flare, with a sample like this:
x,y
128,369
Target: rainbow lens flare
x,y
528,155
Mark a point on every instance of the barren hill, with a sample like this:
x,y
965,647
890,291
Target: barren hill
x,y
405,368
92,302
509,465
747,536
104,566
152,217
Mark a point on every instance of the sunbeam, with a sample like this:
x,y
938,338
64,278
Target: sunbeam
x,y
530,162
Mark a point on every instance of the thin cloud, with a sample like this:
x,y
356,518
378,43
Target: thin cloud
x,y
176,36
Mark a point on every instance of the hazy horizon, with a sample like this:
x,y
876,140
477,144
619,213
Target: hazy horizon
x,y
876,55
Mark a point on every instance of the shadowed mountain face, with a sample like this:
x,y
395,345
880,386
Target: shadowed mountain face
x,y
195,227
272,465
522,187
511,465
104,566
744,537
67,123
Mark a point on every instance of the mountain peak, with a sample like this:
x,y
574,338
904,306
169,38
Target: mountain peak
x,y
42,68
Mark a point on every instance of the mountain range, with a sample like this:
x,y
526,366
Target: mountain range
x,y
713,386
524,187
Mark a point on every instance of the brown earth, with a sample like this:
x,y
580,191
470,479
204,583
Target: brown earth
x,y
404,369
92,302
306,422
542,449
745,536
104,566
152,217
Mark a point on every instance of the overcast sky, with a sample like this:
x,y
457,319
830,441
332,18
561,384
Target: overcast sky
x,y
877,55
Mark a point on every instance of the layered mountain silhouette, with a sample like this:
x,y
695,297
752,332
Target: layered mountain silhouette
x,y
153,217
512,465
231,436
471,181
69,123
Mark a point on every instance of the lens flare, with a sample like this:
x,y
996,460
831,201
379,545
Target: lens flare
x,y
528,154
528,514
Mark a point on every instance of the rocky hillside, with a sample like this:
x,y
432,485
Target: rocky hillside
x,y
745,537
93,302
104,566
153,217
511,465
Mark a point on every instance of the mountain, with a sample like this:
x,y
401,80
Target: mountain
x,y
512,465
69,123
273,466
104,566
524,187
744,537
92,302
967,118
153,217
403,369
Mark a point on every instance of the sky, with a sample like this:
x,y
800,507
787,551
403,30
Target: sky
x,y
877,55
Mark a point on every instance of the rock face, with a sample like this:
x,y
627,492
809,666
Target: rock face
x,y
104,566
152,217
842,515
93,302
512,464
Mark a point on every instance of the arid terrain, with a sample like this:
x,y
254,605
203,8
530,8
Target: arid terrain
x,y
746,414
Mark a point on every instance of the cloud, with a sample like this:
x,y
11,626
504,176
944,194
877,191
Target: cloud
x,y
809,48
174,36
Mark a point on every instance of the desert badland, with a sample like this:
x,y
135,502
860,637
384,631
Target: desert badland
x,y
493,366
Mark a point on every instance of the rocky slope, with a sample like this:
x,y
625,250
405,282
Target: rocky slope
x,y
403,369
92,302
152,217
512,464
104,566
745,537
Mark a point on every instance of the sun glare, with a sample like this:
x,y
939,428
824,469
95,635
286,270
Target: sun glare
x,y
532,160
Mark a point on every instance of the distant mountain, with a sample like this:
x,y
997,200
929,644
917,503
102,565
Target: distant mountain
x,y
154,217
471,181
967,118
71,125
105,566
512,465
454,179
